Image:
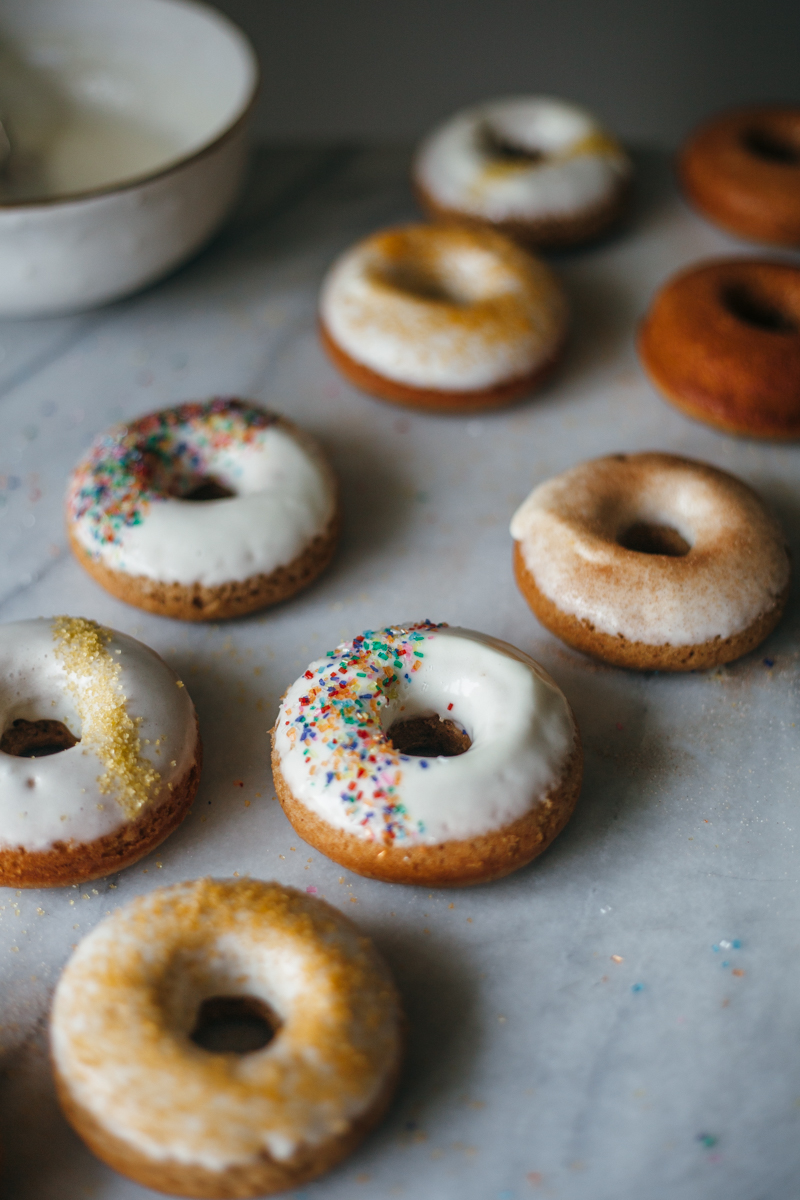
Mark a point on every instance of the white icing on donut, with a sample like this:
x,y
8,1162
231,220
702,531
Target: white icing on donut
x,y
84,793
444,308
737,567
581,166
330,735
124,505
127,1003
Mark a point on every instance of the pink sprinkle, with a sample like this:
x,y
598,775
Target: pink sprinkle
x,y
312,891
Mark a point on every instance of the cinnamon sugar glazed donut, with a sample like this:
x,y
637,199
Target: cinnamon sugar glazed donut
x,y
442,317
268,527
741,170
651,561
139,1068
99,754
722,342
540,170
424,754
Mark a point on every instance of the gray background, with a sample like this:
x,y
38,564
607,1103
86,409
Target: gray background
x,y
389,68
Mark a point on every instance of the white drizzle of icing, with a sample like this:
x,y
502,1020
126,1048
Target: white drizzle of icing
x,y
579,168
59,798
330,735
447,308
738,565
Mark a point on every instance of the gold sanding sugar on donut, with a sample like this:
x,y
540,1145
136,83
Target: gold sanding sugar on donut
x,y
334,981
519,295
108,730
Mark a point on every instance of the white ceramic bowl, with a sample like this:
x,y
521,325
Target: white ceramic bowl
x,y
127,120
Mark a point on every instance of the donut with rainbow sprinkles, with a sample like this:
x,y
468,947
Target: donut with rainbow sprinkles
x,y
427,754
204,511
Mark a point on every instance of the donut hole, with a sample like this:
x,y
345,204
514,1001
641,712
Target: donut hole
x,y
773,146
423,282
646,537
753,309
233,1025
36,739
500,146
206,489
429,737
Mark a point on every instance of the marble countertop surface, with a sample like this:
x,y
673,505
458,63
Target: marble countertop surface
x,y
620,1019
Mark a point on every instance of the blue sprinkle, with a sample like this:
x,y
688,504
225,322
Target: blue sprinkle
x,y
715,949
769,662
329,778
423,764
737,945
506,1194
637,987
726,964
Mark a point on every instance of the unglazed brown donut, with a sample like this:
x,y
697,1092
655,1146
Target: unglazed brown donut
x,y
722,342
651,561
741,170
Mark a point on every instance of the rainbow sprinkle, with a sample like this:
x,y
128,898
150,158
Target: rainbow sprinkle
x,y
164,454
337,727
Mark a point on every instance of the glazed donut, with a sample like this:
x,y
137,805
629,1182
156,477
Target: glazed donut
x,y
442,317
137,1001
424,754
542,171
99,751
722,342
651,561
269,526
741,170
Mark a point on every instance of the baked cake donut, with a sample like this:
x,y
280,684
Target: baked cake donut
x,y
425,754
442,317
144,1009
99,751
651,561
268,528
540,170
722,342
741,170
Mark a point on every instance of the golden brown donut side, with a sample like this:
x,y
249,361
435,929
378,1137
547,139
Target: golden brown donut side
x,y
79,862
367,380
735,187
264,1178
641,656
224,601
456,863
553,233
718,368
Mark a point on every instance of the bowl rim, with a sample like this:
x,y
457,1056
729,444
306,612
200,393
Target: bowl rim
x,y
175,164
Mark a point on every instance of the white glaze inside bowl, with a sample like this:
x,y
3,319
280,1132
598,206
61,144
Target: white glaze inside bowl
x,y
95,93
